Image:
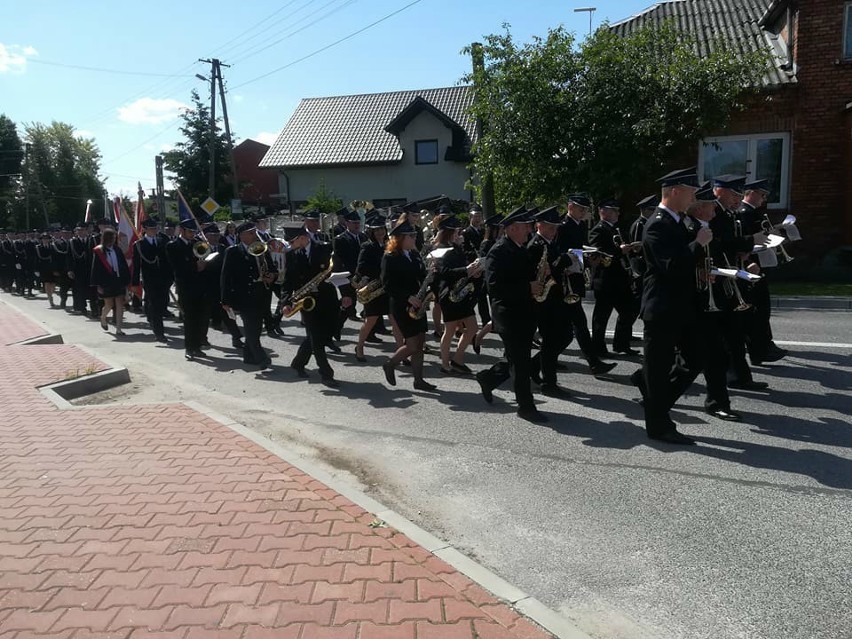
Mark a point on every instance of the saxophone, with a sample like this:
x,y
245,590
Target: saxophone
x,y
371,290
424,295
301,299
543,278
465,286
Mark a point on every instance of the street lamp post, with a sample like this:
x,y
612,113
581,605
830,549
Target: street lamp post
x,y
590,11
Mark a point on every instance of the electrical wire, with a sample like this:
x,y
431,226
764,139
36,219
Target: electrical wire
x,y
102,70
329,46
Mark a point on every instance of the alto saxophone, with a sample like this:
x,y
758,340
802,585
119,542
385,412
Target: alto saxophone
x,y
424,295
373,289
301,299
543,278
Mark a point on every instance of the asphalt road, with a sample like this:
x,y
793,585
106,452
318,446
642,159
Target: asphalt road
x,y
746,535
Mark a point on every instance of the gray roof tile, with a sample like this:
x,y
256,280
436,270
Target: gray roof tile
x,y
734,21
350,129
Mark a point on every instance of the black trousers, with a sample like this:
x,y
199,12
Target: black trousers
x,y
711,358
253,317
759,330
196,316
266,307
346,290
316,337
6,273
155,302
662,338
483,306
580,330
607,300
556,333
79,292
517,346
733,327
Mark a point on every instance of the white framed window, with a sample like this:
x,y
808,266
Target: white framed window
x,y
847,31
764,156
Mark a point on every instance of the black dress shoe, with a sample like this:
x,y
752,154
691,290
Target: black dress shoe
x,y
601,368
300,371
161,338
238,343
672,437
460,368
390,373
748,385
476,345
726,414
334,348
104,325
637,378
358,357
628,352
199,353
487,395
555,391
372,339
532,415
535,377
266,364
381,330
602,353
423,385
774,355
188,356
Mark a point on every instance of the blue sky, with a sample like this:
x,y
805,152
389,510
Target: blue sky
x,y
133,116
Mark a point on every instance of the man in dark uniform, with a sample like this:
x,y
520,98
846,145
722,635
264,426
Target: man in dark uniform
x,y
151,268
669,302
60,261
32,280
611,284
715,315
7,262
511,279
192,295
646,207
242,285
305,261
472,238
728,191
167,235
78,267
312,226
23,266
273,329
347,247
553,323
750,214
212,276
340,224
573,234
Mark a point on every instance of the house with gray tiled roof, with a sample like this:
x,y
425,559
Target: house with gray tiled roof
x,y
797,131
387,148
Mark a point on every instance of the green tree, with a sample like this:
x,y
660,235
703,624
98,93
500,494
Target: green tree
x,y
324,200
189,161
60,174
11,159
604,117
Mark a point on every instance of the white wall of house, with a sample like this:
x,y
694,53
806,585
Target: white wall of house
x,y
403,181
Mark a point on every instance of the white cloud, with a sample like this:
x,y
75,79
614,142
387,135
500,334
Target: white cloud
x,y
13,57
265,137
151,111
237,98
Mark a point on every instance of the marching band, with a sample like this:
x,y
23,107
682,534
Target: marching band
x,y
690,266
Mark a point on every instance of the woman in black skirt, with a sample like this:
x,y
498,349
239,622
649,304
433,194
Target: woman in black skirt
x,y
44,266
403,273
111,277
458,311
493,232
369,270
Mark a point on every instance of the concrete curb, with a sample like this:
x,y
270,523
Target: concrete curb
x,y
50,338
813,303
530,607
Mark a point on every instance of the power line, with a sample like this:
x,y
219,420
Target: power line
x,y
142,143
102,70
254,51
222,48
329,46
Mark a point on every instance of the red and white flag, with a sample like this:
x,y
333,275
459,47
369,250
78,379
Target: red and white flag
x,y
140,209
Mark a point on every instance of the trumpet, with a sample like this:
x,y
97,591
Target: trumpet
x,y
201,249
706,283
733,290
257,250
766,225
618,240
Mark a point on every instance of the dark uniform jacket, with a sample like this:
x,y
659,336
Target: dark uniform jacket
x,y
670,253
183,262
301,268
471,240
720,288
613,278
508,273
723,226
60,257
150,263
113,283
402,277
79,259
536,247
347,247
369,266
574,235
238,285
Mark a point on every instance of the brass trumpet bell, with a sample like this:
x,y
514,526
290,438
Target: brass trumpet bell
x,y
201,249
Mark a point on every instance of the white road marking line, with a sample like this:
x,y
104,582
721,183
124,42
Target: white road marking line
x,y
815,345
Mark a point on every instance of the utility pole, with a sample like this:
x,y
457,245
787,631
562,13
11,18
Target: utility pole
x,y
211,186
27,180
230,140
489,206
160,193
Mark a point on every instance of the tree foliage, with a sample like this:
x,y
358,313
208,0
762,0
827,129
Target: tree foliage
x,y
324,200
603,117
57,174
189,161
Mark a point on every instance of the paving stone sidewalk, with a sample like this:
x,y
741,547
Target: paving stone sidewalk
x,y
157,521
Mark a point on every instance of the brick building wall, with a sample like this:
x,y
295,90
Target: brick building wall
x,y
257,185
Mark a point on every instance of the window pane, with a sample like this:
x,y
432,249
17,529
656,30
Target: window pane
x,y
726,156
426,152
769,161
847,32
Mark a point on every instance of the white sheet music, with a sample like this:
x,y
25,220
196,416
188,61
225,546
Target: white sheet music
x,y
338,279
